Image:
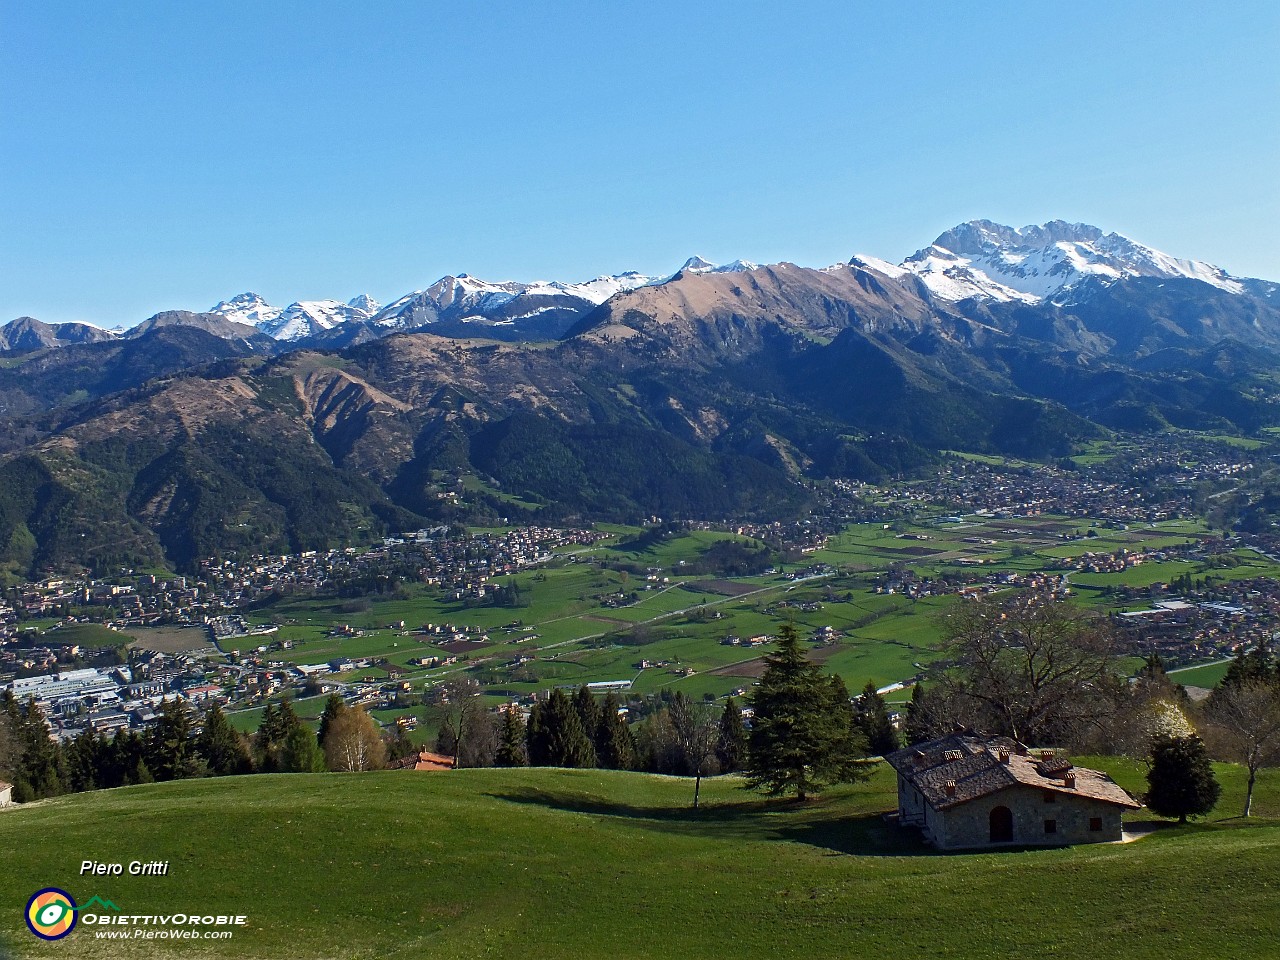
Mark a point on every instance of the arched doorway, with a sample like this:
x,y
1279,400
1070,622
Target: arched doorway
x,y
1001,825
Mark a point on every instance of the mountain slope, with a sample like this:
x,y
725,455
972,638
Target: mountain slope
x,y
989,260
27,335
710,394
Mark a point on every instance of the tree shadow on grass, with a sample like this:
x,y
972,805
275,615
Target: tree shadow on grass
x,y
816,823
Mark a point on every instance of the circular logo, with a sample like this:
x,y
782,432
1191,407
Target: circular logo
x,y
51,913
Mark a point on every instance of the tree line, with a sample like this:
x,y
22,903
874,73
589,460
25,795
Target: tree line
x,y
179,746
805,731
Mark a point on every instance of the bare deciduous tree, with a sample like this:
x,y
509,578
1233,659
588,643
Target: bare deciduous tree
x,y
697,729
467,731
1244,726
1040,670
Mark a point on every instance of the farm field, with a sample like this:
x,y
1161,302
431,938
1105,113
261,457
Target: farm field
x,y
583,863
642,610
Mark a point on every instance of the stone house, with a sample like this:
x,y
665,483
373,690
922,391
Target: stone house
x,y
6,794
965,791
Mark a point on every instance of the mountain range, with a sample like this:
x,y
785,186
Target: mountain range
x,y
714,392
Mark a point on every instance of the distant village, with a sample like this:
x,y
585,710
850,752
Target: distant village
x,y
79,686
82,685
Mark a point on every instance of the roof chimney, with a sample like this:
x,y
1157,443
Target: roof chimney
x,y
1002,755
951,788
1070,780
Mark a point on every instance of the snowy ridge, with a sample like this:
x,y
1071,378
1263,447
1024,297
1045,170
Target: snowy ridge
x,y
307,318
975,260
698,265
991,261
247,308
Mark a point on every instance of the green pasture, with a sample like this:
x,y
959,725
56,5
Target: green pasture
x,y
1206,675
87,635
593,864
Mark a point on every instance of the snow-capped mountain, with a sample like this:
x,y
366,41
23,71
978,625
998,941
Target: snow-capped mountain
x,y
541,308
978,260
366,303
247,308
697,265
986,260
300,320
307,318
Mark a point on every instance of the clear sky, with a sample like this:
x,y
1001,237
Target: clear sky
x,y
158,155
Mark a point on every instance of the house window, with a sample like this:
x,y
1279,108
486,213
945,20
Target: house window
x,y
1095,824
1050,797
1051,826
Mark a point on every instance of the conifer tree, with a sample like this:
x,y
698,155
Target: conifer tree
x,y
919,725
399,745
584,702
555,735
170,747
300,753
731,750
1181,779
874,722
333,707
1254,666
221,746
802,735
511,740
615,747
38,767
86,762
277,725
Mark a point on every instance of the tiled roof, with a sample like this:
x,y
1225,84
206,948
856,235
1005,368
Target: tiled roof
x,y
958,768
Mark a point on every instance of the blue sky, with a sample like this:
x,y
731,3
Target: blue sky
x,y
159,155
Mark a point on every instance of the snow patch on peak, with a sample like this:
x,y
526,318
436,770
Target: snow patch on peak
x,y
992,261
865,261
698,265
365,303
247,308
306,318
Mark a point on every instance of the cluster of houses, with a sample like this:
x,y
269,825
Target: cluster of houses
x,y
1218,622
1099,490
104,700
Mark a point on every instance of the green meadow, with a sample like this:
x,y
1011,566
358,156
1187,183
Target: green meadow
x,y
595,864
570,629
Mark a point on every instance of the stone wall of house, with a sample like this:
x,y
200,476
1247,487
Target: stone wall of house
x,y
911,805
6,795
969,825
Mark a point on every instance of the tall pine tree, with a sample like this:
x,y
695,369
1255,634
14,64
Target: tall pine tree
x,y
511,740
615,747
802,735
1181,779
731,750
874,722
555,735
223,749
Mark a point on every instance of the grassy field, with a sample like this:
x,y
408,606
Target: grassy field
x,y
586,864
570,622
89,635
